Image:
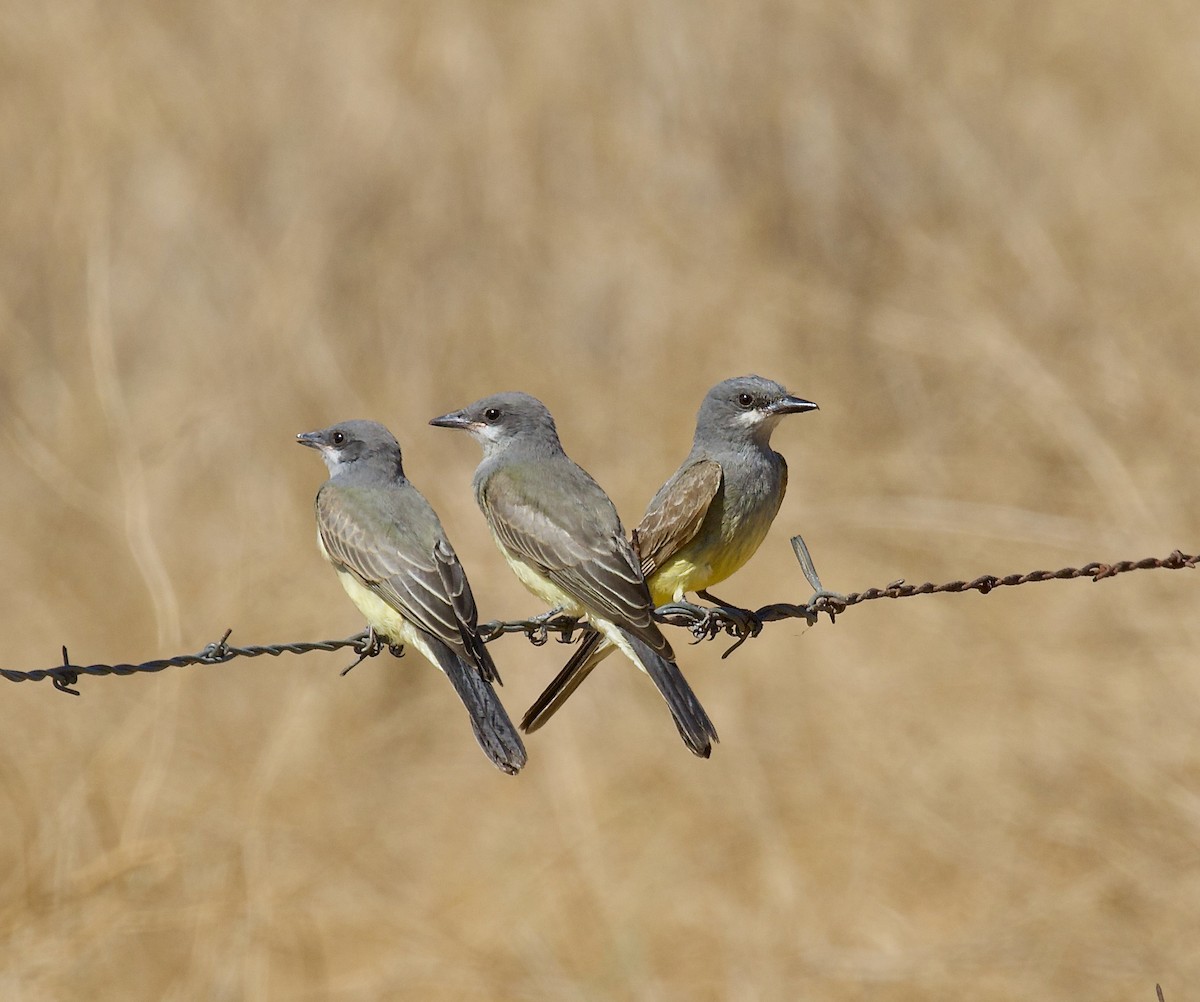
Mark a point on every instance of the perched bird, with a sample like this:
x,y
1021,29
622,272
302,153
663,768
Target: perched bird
x,y
561,535
392,557
707,520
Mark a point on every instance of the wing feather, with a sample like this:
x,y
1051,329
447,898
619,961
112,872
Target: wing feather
x,y
586,556
425,584
676,514
458,590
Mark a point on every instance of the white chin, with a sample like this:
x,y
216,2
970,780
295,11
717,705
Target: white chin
x,y
486,433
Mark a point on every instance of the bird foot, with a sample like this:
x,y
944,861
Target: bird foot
x,y
708,624
544,618
538,628
741,623
700,622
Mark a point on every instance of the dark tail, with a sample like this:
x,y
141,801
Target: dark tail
x,y
695,728
493,729
566,681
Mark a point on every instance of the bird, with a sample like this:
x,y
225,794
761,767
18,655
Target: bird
x,y
709,517
563,539
392,557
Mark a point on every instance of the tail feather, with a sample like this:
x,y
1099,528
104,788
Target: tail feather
x,y
694,725
493,729
591,651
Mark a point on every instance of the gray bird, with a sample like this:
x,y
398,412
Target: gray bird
x,y
392,557
707,520
563,539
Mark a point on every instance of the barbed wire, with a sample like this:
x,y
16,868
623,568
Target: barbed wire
x,y
704,623
66,675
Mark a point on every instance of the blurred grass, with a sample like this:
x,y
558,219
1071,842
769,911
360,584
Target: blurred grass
x,y
967,232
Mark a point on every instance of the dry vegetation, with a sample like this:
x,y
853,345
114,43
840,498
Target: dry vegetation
x,y
970,232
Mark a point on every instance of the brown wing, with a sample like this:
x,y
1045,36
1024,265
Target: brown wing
x,y
676,513
392,543
575,540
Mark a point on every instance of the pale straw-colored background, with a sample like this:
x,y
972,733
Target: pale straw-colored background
x,y
970,232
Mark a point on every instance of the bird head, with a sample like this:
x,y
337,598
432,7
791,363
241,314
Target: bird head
x,y
746,408
355,444
504,419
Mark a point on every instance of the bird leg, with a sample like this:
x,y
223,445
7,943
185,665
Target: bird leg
x,y
543,618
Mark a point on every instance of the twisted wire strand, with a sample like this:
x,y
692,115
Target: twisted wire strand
x,y
705,623
219,652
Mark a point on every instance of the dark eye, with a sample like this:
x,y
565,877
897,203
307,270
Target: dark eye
x,y
492,414
337,438
745,400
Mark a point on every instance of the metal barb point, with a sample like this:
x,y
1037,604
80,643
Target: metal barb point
x,y
806,562
66,676
742,638
369,645
218,651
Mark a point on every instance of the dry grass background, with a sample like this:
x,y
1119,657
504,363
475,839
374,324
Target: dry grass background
x,y
969,231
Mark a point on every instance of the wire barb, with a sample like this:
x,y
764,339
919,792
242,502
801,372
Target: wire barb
x,y
705,623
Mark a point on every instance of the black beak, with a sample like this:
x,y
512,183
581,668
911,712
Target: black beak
x,y
791,405
455,419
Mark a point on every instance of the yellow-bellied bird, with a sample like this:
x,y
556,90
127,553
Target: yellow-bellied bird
x,y
561,535
392,557
707,520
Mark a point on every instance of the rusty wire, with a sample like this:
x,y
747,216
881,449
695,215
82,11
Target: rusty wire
x,y
704,623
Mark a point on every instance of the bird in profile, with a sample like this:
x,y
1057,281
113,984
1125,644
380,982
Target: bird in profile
x,y
709,517
396,564
562,537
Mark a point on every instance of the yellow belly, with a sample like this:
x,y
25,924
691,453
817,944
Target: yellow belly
x,y
543,589
381,617
700,566
555,597
385,620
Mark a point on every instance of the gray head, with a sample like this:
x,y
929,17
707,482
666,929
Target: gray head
x,y
504,419
356,447
745,409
